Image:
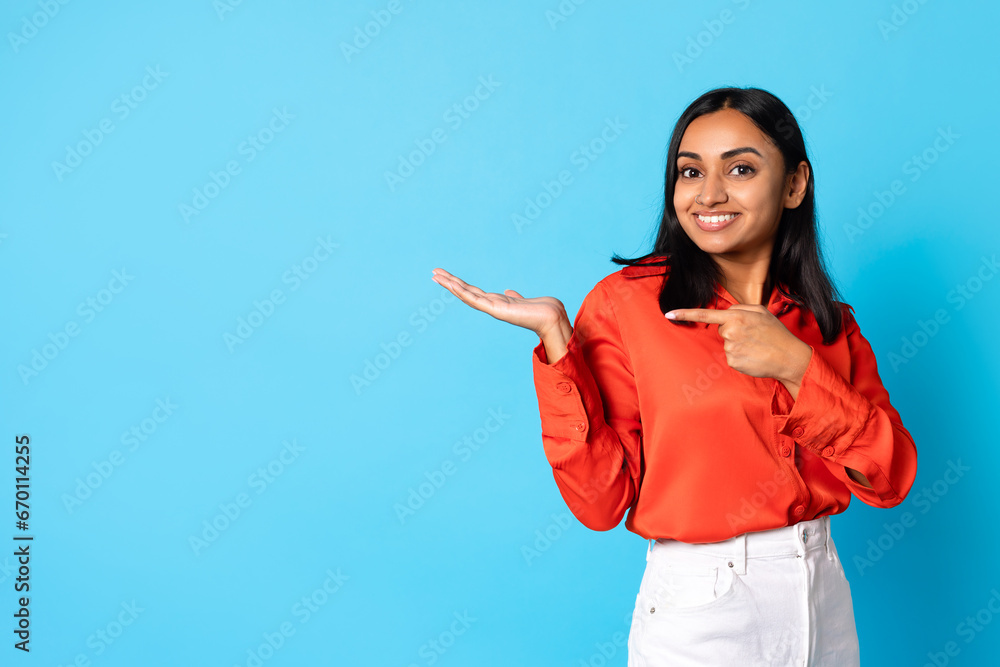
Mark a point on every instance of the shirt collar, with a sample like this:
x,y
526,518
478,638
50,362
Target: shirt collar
x,y
780,301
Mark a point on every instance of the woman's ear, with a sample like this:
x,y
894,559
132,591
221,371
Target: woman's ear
x,y
796,184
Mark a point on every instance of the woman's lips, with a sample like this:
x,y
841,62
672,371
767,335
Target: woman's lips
x,y
708,226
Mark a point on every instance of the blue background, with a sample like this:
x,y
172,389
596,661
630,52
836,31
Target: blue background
x,y
872,83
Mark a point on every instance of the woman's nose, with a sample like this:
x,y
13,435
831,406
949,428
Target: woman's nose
x,y
713,191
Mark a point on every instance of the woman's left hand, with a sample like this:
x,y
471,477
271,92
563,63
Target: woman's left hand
x,y
756,342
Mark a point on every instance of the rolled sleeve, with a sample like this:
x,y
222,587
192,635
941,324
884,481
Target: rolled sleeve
x,y
850,423
828,413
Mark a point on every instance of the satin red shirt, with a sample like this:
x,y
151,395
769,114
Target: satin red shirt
x,y
644,415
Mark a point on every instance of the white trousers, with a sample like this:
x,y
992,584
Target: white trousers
x,y
768,598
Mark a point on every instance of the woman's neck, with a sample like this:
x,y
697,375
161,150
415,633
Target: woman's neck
x,y
751,293
747,279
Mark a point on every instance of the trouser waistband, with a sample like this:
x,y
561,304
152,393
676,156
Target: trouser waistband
x,y
796,539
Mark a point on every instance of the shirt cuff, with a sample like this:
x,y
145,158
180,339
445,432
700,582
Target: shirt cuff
x,y
561,388
827,415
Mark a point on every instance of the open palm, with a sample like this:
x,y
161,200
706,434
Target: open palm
x,y
540,314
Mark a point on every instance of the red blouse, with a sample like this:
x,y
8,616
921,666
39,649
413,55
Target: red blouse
x,y
644,415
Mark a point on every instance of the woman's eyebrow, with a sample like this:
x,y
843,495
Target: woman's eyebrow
x,y
725,156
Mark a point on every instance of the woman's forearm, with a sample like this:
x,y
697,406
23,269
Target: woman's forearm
x,y
555,340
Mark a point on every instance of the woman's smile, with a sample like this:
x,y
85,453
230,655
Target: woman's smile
x,y
713,222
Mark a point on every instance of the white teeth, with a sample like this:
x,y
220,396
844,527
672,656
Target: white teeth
x,y
717,218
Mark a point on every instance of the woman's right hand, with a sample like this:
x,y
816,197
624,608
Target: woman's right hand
x,y
545,315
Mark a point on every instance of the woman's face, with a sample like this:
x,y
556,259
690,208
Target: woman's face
x,y
738,175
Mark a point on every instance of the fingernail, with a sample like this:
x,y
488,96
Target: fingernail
x,y
670,315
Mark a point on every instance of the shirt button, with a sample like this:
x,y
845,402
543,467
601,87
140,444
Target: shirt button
x,y
828,451
580,426
785,450
799,510
797,432
564,387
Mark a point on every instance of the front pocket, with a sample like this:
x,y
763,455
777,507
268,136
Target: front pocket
x,y
688,589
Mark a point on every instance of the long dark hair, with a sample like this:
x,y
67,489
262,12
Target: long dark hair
x,y
796,259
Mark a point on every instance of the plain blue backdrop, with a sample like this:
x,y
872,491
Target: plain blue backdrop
x,y
220,332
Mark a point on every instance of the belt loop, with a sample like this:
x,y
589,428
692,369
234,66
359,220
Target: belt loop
x,y
743,554
739,555
826,518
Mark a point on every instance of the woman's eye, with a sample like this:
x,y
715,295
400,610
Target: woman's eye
x,y
741,169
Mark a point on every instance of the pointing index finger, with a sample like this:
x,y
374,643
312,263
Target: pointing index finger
x,y
709,315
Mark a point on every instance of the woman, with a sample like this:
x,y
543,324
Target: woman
x,y
716,390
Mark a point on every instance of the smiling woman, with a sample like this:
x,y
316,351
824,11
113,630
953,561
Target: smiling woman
x,y
730,471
